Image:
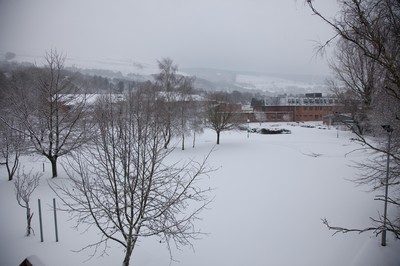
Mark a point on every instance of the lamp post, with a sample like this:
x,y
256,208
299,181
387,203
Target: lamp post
x,y
248,128
389,130
339,120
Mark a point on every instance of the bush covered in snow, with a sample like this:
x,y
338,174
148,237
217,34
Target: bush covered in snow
x,y
274,131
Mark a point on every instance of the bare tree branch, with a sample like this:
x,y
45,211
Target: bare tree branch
x,y
25,185
48,110
120,183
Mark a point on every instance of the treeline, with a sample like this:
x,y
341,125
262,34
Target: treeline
x,y
106,81
89,83
49,110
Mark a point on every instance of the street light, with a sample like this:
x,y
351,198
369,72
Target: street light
x,y
337,127
389,130
248,128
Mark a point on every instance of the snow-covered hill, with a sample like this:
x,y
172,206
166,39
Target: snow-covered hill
x,y
269,83
278,85
207,78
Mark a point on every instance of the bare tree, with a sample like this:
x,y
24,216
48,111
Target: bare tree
x,y
369,64
11,146
373,27
221,114
369,30
25,185
197,120
186,106
50,112
121,184
171,88
10,141
357,72
361,81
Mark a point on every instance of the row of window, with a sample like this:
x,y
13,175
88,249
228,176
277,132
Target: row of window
x,y
313,101
309,117
329,108
298,117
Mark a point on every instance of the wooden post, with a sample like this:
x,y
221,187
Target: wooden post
x,y
40,222
55,218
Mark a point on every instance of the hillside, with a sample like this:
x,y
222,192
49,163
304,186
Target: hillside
x,y
206,78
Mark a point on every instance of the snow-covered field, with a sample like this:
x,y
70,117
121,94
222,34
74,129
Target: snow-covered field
x,y
271,192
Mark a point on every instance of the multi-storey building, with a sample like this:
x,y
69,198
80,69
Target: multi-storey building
x,y
308,107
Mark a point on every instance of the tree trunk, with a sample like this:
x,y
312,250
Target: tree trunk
x,y
194,138
28,221
11,168
128,255
183,141
53,166
10,176
167,138
14,168
218,137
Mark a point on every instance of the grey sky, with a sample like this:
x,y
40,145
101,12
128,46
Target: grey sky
x,y
255,35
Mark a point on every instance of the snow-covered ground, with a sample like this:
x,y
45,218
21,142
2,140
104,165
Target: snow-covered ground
x,y
271,192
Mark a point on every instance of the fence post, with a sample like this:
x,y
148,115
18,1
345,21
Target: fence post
x,y
40,221
55,218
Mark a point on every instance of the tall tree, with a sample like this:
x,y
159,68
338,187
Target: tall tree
x,y
186,106
371,28
49,110
361,80
11,142
168,83
122,185
11,147
221,114
197,119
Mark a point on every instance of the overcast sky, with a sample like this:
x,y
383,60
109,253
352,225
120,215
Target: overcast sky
x,y
254,35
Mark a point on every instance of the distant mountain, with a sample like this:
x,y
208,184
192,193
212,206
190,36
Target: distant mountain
x,y
269,83
206,78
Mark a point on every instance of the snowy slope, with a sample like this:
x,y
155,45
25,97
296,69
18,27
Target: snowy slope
x,y
208,79
276,85
270,83
269,200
